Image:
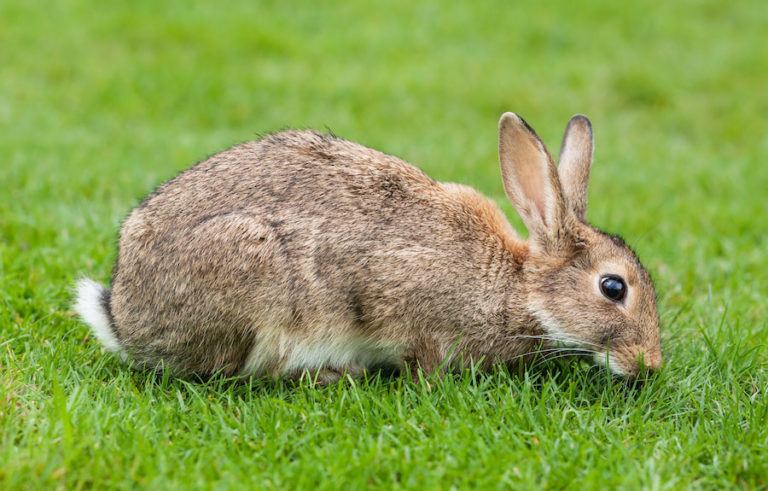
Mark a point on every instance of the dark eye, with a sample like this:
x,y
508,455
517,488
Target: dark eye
x,y
613,287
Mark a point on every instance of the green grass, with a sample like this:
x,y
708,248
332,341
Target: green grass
x,y
101,102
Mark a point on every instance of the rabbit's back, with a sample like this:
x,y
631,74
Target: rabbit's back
x,y
300,249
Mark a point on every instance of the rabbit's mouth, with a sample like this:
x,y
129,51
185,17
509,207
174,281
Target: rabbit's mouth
x,y
630,361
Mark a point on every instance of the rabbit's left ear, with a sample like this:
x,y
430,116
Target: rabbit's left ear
x,y
575,162
531,182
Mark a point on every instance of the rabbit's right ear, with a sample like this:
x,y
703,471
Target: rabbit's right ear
x,y
531,181
575,162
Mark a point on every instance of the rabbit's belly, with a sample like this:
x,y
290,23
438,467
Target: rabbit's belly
x,y
280,352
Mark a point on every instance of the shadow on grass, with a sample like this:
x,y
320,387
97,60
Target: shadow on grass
x,y
579,381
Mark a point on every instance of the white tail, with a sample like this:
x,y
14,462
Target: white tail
x,y
90,306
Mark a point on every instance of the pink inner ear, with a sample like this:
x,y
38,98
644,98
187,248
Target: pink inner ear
x,y
532,184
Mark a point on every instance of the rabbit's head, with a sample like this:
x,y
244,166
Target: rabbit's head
x,y
587,288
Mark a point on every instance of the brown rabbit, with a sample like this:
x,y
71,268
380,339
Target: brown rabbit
x,y
306,252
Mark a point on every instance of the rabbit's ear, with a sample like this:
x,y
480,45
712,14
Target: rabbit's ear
x,y
575,162
530,180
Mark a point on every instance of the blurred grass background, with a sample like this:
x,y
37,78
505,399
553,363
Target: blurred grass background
x,y
101,102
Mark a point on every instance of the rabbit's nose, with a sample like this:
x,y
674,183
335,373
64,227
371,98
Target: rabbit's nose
x,y
637,360
650,359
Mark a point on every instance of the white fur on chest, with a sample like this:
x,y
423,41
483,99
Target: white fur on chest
x,y
281,353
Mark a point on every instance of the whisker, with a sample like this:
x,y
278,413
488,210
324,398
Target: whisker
x,y
544,351
555,338
562,355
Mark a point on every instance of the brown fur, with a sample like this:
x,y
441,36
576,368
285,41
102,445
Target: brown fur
x,y
270,254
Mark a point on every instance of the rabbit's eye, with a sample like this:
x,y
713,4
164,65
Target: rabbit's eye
x,y
613,287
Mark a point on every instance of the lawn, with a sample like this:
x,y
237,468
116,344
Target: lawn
x,y
99,103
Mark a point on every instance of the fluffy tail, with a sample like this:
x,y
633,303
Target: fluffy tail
x,y
93,307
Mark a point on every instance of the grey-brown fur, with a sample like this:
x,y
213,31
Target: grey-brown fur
x,y
252,259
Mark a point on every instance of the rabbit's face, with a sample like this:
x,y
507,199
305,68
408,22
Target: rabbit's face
x,y
599,299
586,288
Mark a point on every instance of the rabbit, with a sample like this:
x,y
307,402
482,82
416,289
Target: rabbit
x,y
304,252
